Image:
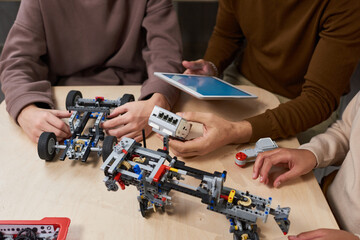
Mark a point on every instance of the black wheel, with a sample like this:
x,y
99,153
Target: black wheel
x,y
108,145
46,146
143,207
71,98
127,98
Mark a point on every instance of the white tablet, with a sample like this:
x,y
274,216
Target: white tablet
x,y
204,87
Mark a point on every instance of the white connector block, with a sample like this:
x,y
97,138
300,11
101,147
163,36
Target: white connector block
x,y
167,123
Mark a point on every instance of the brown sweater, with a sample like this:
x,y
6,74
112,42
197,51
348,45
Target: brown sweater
x,y
304,50
89,43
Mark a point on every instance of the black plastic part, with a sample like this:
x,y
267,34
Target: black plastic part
x,y
108,145
143,207
127,98
196,173
46,146
86,154
71,98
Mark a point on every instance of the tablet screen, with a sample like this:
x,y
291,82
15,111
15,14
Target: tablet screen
x,y
206,85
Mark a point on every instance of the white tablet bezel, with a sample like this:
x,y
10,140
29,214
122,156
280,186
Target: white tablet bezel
x,y
197,94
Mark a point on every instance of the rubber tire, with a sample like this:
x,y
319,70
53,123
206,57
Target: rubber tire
x,y
108,145
71,98
47,140
127,98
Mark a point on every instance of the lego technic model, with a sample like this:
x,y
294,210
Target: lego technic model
x,y
249,155
45,229
156,173
81,144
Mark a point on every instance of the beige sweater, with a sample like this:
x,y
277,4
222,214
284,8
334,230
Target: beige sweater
x,y
340,145
65,42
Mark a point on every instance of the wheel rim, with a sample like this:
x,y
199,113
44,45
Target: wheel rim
x,y
51,145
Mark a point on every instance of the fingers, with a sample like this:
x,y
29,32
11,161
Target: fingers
x,y
61,131
61,114
266,160
200,67
116,122
56,125
118,111
260,161
194,65
315,234
189,148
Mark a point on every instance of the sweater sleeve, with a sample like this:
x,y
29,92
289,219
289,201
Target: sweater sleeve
x,y
163,52
327,77
226,39
23,72
332,146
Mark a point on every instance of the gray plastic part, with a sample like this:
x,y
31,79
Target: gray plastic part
x,y
262,145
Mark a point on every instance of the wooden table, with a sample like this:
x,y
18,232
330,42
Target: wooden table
x,y
31,189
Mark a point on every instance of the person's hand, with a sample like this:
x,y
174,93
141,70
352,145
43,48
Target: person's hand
x,y
199,67
217,132
34,121
129,119
299,162
325,234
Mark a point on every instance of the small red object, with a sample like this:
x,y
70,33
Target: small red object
x,y
241,156
99,99
160,172
121,183
224,197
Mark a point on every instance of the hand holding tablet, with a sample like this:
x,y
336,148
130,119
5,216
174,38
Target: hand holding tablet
x,y
204,87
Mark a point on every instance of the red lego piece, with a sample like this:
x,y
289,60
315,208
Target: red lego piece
x,y
121,183
99,99
160,172
241,156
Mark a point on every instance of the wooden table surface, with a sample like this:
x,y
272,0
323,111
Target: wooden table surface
x,y
31,189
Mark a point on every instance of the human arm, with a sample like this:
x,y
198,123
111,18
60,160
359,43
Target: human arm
x,y
325,234
323,150
326,76
129,119
163,51
23,72
332,146
217,132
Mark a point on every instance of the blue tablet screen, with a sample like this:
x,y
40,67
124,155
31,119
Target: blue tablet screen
x,y
207,86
